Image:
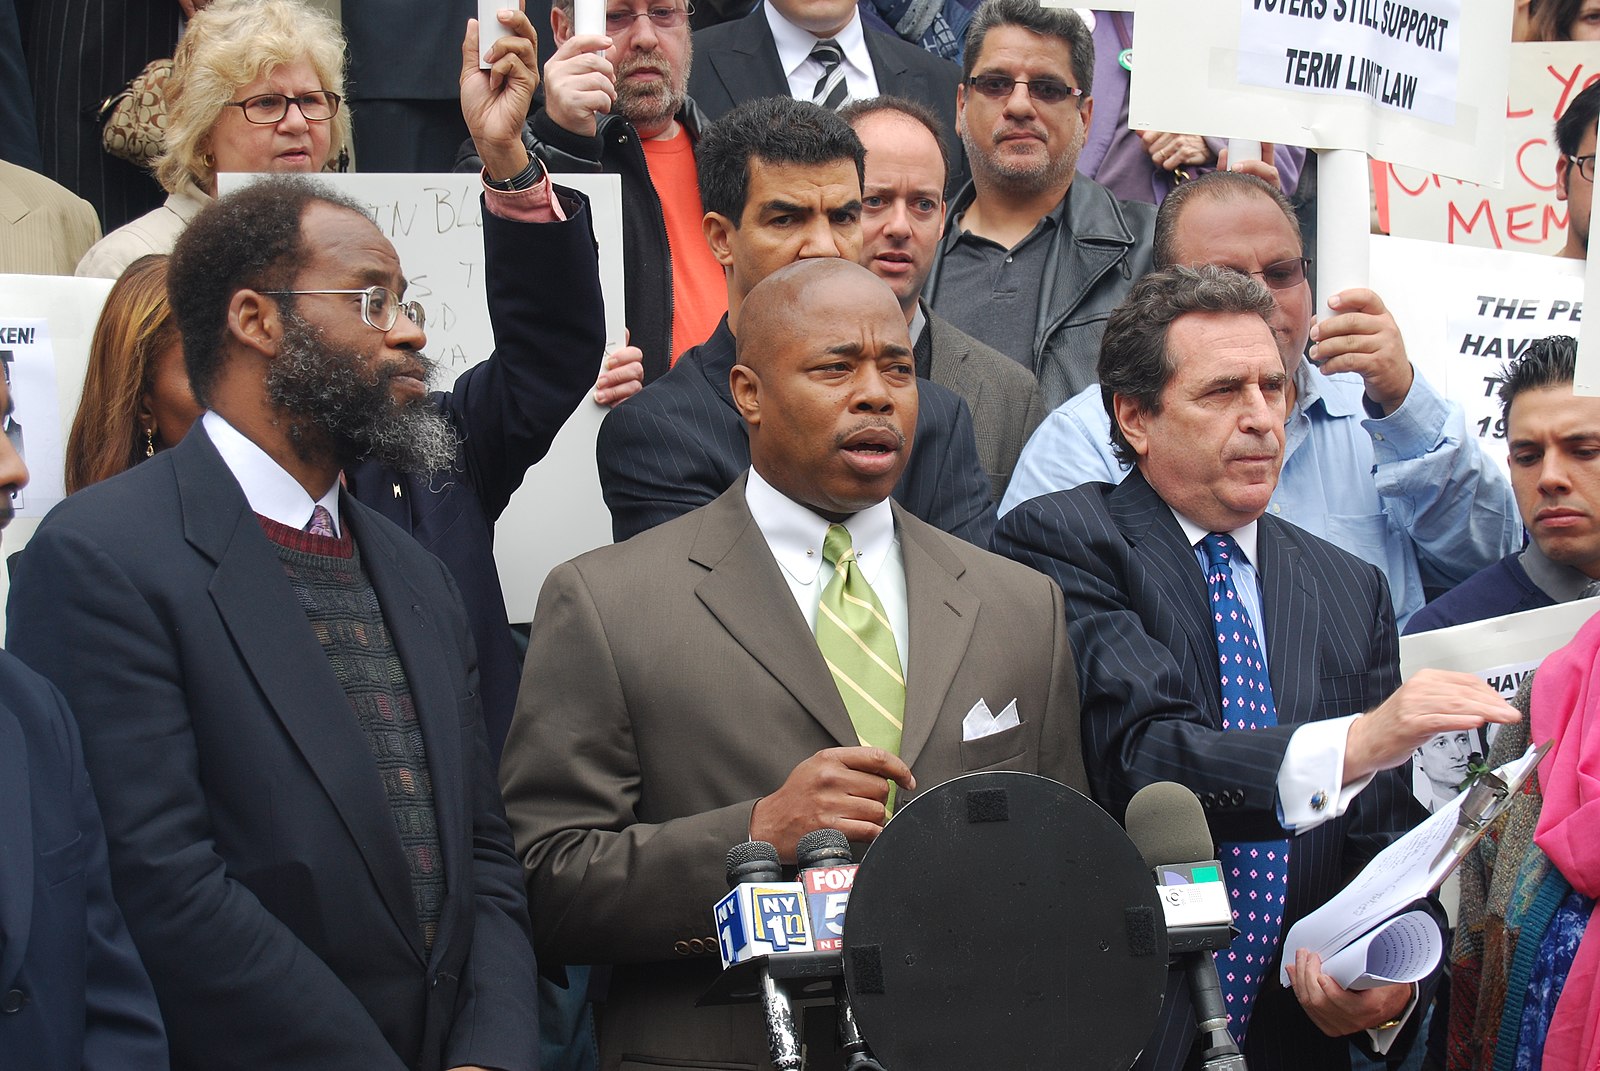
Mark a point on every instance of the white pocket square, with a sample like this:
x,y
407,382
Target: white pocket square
x,y
980,722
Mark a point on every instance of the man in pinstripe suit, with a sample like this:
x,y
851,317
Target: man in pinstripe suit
x,y
1195,387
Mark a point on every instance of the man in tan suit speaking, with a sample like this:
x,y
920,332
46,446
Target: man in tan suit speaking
x,y
714,679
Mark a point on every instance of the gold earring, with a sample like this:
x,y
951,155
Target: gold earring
x,y
149,442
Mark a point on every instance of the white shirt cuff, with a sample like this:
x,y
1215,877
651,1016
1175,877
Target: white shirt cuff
x,y
1382,1039
1311,788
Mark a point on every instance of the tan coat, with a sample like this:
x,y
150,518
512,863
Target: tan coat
x,y
671,682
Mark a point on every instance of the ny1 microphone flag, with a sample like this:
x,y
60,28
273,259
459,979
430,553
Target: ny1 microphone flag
x,y
762,919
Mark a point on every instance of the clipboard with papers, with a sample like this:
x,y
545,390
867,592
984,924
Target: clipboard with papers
x,y
1364,935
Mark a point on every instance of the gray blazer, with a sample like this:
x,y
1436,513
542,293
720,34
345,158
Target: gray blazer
x,y
671,682
1003,395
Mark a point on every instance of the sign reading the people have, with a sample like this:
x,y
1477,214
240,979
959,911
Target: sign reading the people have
x,y
1479,309
1421,82
1405,56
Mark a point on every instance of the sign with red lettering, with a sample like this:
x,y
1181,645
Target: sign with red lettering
x,y
1420,82
1528,213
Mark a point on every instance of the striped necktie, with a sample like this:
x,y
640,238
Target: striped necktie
x,y
831,91
1257,873
858,645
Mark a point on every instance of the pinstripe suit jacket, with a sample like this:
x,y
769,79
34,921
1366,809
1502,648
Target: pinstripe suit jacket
x,y
1141,632
680,443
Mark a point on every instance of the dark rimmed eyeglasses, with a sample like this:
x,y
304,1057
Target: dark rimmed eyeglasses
x,y
265,109
660,16
1585,166
1044,90
1282,274
380,306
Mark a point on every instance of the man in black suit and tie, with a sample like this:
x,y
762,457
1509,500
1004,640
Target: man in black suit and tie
x,y
1178,568
781,180
818,50
278,689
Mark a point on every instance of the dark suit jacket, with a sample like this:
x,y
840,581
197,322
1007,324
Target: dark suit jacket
x,y
252,848
672,681
73,994
680,443
1003,395
1137,606
738,61
545,306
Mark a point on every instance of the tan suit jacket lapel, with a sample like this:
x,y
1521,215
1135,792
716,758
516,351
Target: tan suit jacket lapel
x,y
942,614
745,590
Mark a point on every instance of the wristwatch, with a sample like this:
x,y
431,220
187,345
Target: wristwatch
x,y
526,179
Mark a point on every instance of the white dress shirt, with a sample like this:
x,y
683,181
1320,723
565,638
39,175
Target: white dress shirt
x,y
794,56
794,534
270,490
1313,763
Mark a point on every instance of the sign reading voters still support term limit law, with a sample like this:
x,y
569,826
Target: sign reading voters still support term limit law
x,y
1420,82
1527,212
436,225
1464,312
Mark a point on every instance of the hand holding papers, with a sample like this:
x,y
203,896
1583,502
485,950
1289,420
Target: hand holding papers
x,y
1359,931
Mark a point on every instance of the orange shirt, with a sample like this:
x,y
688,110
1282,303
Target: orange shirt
x,y
699,289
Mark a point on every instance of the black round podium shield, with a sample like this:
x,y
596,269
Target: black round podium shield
x,y
1002,920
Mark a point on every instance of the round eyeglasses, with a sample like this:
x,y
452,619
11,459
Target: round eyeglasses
x,y
265,109
380,306
1585,166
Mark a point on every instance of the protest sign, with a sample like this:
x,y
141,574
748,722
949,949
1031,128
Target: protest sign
x,y
1464,312
46,323
1415,81
1526,213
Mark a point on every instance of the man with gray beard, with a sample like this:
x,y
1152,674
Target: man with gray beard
x,y
277,689
1034,255
618,104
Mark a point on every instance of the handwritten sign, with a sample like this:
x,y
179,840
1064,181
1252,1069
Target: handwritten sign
x,y
1420,82
1526,214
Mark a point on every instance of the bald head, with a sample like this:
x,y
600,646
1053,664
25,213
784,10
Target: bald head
x,y
793,297
826,384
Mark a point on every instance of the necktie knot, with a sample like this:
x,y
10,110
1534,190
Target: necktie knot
x,y
837,546
1219,551
828,53
321,522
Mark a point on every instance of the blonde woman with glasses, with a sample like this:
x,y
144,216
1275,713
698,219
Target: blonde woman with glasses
x,y
257,85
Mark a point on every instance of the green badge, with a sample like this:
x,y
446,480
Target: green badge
x,y
1125,57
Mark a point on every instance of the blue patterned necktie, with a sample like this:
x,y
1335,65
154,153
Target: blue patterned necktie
x,y
1257,873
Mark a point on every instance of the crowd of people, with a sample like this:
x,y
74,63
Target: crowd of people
x,y
940,397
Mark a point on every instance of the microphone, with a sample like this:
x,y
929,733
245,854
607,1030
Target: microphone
x,y
763,915
1167,824
827,873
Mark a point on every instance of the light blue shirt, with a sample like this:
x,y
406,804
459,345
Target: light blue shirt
x,y
1410,492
